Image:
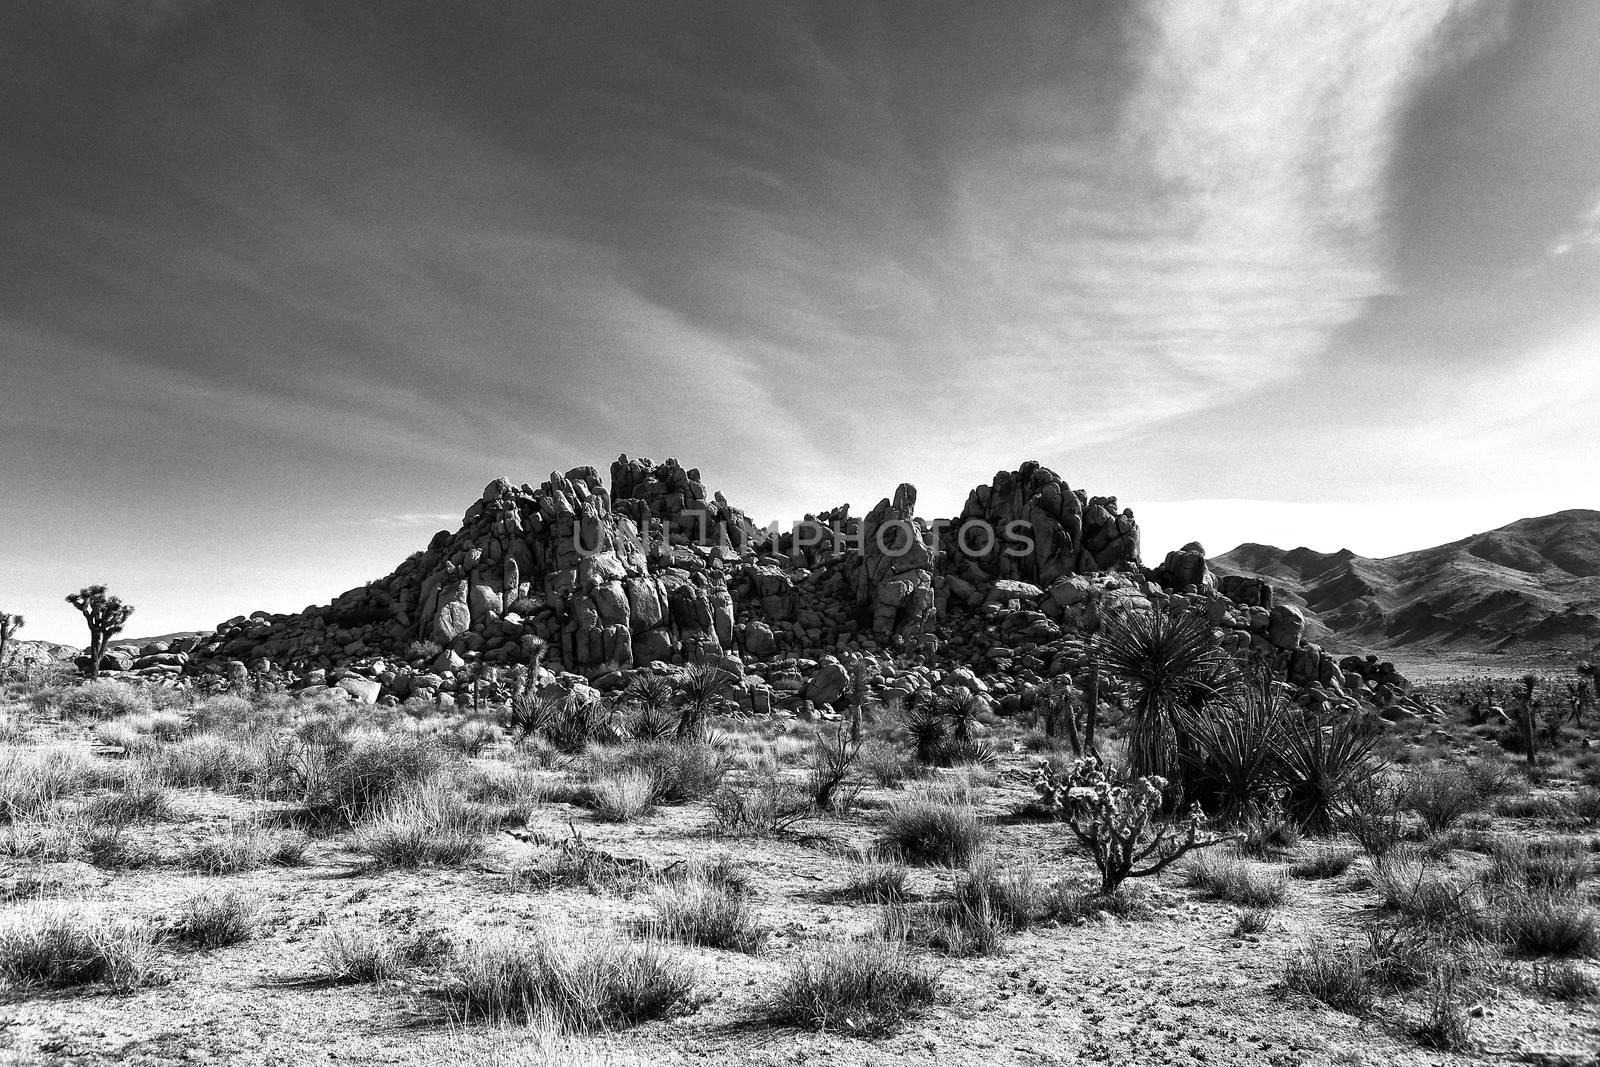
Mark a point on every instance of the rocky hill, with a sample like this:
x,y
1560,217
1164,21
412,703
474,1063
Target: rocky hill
x,y
1534,583
585,580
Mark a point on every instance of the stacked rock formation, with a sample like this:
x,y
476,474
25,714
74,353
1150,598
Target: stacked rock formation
x,y
600,581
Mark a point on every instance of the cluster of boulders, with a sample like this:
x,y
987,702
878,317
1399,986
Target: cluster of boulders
x,y
156,660
588,583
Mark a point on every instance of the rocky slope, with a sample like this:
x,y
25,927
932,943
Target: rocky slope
x,y
1534,583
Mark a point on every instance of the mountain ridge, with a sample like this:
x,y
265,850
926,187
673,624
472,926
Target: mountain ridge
x,y
1534,581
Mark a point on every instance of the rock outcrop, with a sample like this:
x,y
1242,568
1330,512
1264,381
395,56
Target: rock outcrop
x,y
596,581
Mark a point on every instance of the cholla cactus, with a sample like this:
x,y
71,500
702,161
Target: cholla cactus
x,y
1115,821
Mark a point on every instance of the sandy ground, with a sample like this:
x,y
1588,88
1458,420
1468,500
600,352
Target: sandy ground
x,y
1177,988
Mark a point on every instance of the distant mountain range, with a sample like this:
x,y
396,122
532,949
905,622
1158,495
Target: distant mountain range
x,y
1534,583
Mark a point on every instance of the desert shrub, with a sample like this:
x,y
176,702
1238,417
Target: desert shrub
x,y
58,945
351,955
213,920
1116,823
246,846
578,982
874,881
622,795
1372,814
1226,875
516,792
1322,861
1334,974
1441,795
427,824
1446,1026
1494,778
702,909
920,829
1430,896
1565,980
102,698
886,763
1543,924
865,987
830,779
1399,954
771,805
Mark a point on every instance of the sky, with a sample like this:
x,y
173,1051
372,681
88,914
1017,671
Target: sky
x,y
284,284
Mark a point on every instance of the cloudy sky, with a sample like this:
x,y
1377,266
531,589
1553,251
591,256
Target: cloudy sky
x,y
283,284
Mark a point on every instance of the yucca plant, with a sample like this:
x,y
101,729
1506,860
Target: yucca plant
x,y
701,688
1323,759
651,716
1168,663
1229,754
924,721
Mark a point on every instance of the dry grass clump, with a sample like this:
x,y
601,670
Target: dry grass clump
x,y
1566,980
1229,876
57,945
1446,1026
213,920
1557,866
1334,974
205,761
875,881
349,955
577,982
865,987
140,799
32,780
428,824
886,763
1322,861
709,906
361,776
99,698
927,828
1075,902
622,795
1430,896
678,771
247,846
1534,806
1546,924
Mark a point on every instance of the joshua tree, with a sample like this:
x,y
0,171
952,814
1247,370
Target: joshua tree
x,y
106,615
9,625
1168,662
1527,707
